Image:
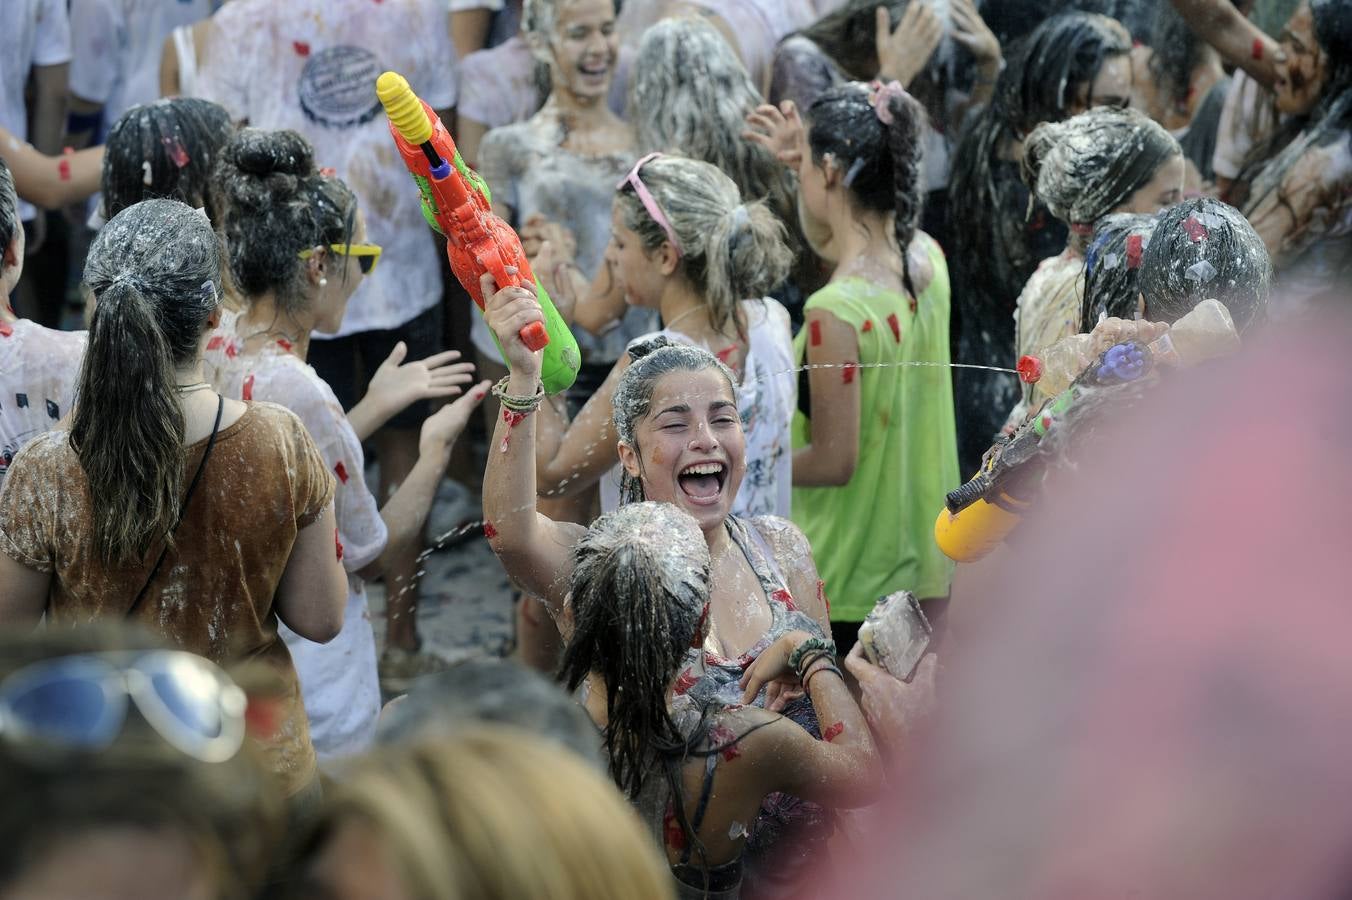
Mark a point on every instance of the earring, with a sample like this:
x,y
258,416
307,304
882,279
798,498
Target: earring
x,y
323,282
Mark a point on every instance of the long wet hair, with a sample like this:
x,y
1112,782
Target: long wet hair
x,y
730,250
154,271
1088,165
640,590
1268,163
691,95
632,401
1045,71
1205,249
275,204
164,149
1112,268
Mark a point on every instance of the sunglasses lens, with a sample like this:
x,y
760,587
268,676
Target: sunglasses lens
x,y
187,691
64,703
367,263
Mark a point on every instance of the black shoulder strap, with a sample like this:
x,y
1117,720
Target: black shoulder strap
x,y
706,791
183,509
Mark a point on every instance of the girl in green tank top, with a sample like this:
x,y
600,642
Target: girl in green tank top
x,y
875,446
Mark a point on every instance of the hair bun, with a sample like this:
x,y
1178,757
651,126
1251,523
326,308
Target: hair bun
x,y
263,153
641,347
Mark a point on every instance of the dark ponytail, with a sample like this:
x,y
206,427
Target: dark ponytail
x,y
880,160
155,274
164,149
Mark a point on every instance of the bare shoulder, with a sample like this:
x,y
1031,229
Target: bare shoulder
x,y
787,541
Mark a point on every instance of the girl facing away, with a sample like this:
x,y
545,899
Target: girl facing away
x,y
697,770
205,519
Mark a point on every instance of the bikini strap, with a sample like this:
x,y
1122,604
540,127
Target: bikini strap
x,y
705,793
757,552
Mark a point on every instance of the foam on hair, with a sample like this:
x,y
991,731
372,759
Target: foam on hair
x,y
1205,249
1086,166
274,203
731,250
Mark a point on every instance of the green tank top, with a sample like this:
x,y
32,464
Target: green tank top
x,y
875,535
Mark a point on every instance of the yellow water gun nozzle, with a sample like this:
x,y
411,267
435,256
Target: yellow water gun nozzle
x,y
403,108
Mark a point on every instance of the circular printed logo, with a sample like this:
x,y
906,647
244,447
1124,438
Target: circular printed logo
x,y
338,87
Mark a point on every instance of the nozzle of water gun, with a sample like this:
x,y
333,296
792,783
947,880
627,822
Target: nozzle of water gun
x,y
1029,369
403,108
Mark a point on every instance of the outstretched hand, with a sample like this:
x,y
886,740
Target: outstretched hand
x,y
972,32
904,51
779,129
440,430
396,383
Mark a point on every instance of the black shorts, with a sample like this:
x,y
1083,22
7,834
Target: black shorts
x,y
347,363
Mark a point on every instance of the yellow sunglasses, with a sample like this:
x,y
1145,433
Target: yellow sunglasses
x,y
367,255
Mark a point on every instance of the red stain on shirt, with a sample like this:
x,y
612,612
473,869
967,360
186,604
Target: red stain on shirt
x,y
247,392
847,374
833,731
341,471
216,343
231,350
868,326
301,48
895,324
783,596
284,344
814,330
687,680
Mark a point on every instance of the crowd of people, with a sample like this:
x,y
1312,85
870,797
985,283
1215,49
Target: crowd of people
x,y
835,268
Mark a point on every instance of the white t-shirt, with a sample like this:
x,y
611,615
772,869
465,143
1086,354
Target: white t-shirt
x,y
311,66
39,368
766,399
1247,117
759,25
497,85
32,33
116,47
339,681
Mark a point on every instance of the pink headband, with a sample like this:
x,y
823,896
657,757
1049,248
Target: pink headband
x,y
648,202
880,98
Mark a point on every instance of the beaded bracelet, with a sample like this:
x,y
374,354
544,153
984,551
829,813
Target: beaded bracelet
x,y
525,405
806,647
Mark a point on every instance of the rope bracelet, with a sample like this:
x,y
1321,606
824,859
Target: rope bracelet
x,y
523,405
808,661
829,667
813,643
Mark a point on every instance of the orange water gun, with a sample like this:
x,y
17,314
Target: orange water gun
x,y
457,204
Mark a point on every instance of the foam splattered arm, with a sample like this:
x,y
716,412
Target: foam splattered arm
x,y
457,204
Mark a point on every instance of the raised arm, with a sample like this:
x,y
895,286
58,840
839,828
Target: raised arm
x,y
831,458
1239,42
536,551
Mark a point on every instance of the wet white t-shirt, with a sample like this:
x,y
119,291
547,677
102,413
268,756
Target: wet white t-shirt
x,y
32,33
339,681
39,368
116,47
311,66
765,399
